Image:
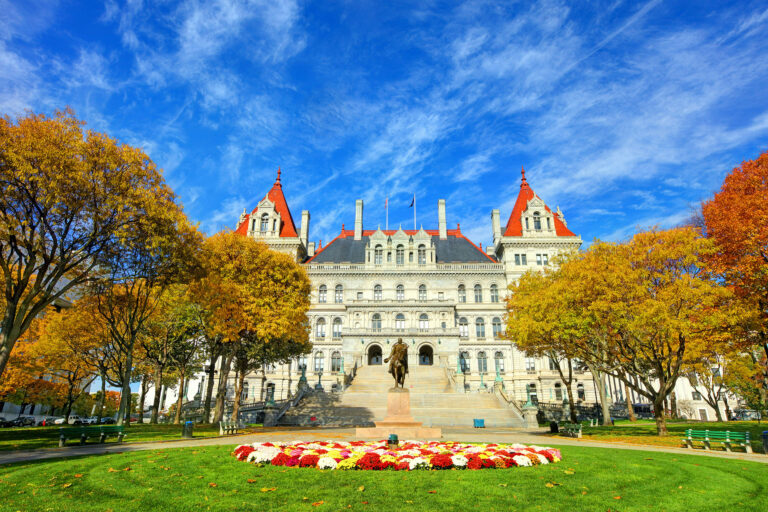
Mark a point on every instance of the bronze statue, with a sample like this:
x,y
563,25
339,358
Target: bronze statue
x,y
398,362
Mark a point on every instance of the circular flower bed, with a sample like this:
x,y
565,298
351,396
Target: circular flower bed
x,y
409,455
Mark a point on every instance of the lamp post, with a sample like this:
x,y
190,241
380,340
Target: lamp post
x,y
319,385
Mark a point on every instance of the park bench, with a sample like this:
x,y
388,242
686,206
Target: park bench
x,y
84,433
724,437
228,427
571,429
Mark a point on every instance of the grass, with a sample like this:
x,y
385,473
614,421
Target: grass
x,y
48,437
209,478
644,432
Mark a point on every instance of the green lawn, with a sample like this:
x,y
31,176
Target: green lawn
x,y
48,437
644,432
211,479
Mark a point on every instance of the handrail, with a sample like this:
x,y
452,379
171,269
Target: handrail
x,y
511,402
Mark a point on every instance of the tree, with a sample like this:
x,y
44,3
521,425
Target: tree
x,y
68,197
736,218
187,357
745,378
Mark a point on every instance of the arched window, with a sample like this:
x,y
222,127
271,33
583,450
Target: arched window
x,y
422,254
400,322
498,359
478,293
580,392
532,391
400,292
339,295
536,221
337,327
494,293
377,255
463,327
482,362
410,256
496,323
264,223
400,252
423,292
462,293
301,363
322,294
480,328
376,322
423,321
558,391
319,362
320,328
244,392
377,292
336,362
464,361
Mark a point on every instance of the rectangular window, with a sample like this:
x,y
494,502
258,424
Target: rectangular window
x,y
524,259
441,296
517,259
695,395
359,295
530,364
538,259
552,364
546,259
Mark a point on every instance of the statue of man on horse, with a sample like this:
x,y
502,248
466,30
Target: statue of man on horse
x,y
398,362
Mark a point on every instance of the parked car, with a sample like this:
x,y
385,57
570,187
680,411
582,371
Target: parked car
x,y
23,421
74,419
5,423
107,420
47,421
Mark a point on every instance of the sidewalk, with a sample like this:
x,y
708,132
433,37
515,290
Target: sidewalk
x,y
463,434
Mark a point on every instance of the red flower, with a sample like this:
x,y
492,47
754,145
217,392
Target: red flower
x,y
321,451
243,451
403,466
488,464
308,461
474,462
370,461
280,459
293,461
442,461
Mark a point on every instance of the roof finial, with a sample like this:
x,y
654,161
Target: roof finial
x,y
278,175
523,172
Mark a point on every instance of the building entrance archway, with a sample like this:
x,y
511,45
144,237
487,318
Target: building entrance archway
x,y
426,356
374,355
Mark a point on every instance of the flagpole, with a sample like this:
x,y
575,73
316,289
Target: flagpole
x,y
386,210
414,212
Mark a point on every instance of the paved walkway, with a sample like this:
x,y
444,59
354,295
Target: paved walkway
x,y
494,435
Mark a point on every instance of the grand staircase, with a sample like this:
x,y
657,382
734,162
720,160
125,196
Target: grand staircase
x,y
434,402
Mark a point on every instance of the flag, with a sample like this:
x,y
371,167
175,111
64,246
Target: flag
x,y
386,201
413,201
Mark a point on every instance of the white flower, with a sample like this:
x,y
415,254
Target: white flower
x,y
418,462
542,459
522,460
459,461
258,457
326,463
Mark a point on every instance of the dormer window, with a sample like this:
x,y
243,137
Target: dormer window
x,y
526,224
422,255
377,255
264,223
549,226
536,221
400,255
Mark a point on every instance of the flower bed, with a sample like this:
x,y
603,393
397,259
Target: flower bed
x,y
409,455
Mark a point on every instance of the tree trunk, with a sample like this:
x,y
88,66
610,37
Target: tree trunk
x,y
238,392
6,342
209,390
125,399
144,389
221,391
156,399
103,396
673,404
572,404
599,379
728,414
630,409
659,416
180,401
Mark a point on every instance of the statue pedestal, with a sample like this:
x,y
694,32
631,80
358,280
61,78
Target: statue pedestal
x,y
399,420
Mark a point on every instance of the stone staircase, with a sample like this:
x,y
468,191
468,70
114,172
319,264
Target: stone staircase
x,y
433,402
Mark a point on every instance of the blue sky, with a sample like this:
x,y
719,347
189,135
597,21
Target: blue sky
x,y
625,114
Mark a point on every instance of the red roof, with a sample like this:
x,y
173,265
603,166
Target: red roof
x,y
515,222
287,228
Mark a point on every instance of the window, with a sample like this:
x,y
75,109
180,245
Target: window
x,y
244,392
533,394
322,294
410,256
376,322
695,395
359,295
482,363
545,258
558,391
521,259
480,328
422,292
337,327
462,293
526,224
478,293
339,295
301,363
536,221
716,372
319,362
553,365
377,253
549,226
498,359
539,260
496,324
530,364
264,223
463,327
494,293
377,292
389,256
580,392
423,321
400,292
464,361
400,253
440,296
422,255
400,322
321,328
335,362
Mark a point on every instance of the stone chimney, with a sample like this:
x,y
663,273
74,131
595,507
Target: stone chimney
x,y
305,228
441,219
311,249
359,219
496,223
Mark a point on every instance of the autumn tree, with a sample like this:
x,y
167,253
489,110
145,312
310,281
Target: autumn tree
x,y
68,198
